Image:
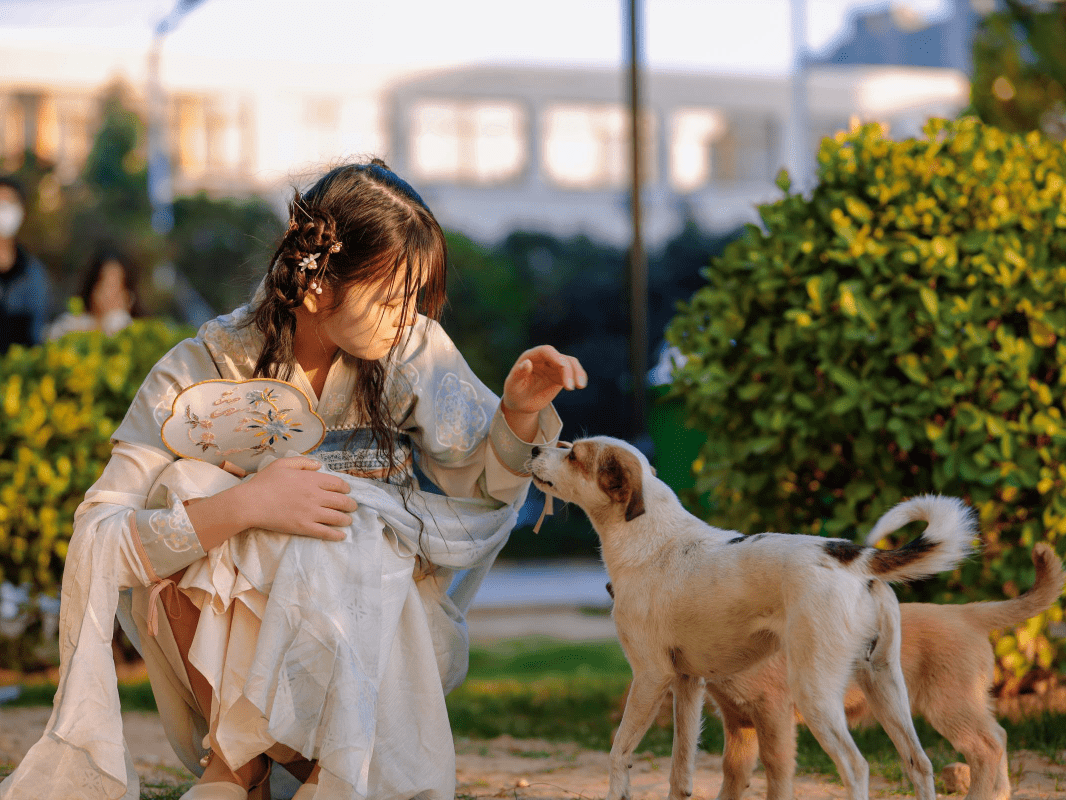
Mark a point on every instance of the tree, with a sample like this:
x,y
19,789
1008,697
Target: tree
x,y
1019,80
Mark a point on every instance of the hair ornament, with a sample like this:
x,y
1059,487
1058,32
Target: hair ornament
x,y
311,262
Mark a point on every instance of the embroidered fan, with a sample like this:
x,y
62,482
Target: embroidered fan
x,y
240,421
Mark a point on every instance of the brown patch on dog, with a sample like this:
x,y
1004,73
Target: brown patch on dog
x,y
843,551
619,476
884,561
579,460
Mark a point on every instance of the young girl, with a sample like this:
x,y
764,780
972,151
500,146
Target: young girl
x,y
308,615
108,296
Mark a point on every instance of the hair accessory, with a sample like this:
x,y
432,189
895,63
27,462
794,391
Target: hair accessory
x,y
311,262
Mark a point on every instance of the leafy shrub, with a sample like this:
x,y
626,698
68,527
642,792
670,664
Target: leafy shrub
x,y
901,330
59,404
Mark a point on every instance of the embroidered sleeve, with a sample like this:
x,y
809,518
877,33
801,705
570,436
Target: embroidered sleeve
x,y
465,445
513,453
167,537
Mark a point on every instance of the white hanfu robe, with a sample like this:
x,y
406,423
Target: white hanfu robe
x,y
342,651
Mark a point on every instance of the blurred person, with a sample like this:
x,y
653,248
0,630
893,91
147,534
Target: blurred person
x,y
25,292
308,615
108,297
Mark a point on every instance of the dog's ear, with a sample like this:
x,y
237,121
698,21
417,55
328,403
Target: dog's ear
x,y
620,477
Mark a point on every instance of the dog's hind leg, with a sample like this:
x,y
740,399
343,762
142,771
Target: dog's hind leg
x,y
972,729
880,676
741,745
688,711
775,724
818,677
824,714
646,695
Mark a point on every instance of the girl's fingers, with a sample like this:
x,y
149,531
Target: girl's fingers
x,y
318,530
298,462
333,484
335,519
339,502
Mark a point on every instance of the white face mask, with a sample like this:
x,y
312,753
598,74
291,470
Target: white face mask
x,y
11,216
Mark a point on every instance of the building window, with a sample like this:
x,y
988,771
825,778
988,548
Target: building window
x,y
587,147
693,136
479,143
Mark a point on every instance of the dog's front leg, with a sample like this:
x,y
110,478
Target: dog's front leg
x,y
644,701
688,707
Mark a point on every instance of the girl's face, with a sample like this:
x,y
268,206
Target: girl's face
x,y
369,320
110,292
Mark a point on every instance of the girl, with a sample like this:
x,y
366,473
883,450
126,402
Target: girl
x,y
313,616
108,297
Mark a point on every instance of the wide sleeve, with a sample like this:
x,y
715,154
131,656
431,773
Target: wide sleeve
x,y
463,442
155,542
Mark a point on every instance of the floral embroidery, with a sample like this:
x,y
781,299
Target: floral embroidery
x,y
240,421
333,404
269,427
460,418
268,396
173,527
165,407
224,338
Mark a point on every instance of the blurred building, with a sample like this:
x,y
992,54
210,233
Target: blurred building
x,y
492,148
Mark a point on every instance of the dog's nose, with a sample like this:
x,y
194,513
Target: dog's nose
x,y
535,451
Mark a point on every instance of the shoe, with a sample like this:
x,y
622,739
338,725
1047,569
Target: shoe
x,y
225,790
306,792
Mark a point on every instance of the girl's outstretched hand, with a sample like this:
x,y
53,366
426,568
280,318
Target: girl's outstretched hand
x,y
536,378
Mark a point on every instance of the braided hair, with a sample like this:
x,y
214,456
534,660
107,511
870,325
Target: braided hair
x,y
358,225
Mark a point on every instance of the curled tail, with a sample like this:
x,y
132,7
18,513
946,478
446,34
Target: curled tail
x,y
947,540
1047,587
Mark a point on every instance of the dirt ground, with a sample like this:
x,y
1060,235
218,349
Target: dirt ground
x,y
526,769
523,768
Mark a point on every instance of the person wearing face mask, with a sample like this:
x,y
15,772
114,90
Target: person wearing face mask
x,y
25,295
108,297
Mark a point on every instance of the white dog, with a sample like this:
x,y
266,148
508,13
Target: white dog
x,y
694,603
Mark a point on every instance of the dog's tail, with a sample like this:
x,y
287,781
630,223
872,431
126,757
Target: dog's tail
x,y
948,538
993,615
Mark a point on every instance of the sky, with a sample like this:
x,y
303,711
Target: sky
x,y
738,36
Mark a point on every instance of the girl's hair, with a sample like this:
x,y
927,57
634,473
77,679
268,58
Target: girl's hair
x,y
130,278
360,225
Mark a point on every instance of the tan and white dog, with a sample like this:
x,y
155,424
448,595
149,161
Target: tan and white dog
x,y
695,604
947,662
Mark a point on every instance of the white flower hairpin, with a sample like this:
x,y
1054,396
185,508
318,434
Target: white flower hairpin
x,y
311,262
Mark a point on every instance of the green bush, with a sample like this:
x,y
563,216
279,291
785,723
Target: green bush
x,y
899,330
59,404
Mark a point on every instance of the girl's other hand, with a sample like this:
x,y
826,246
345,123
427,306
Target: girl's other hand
x,y
536,378
290,496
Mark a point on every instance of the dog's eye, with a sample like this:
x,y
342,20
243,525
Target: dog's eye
x,y
570,456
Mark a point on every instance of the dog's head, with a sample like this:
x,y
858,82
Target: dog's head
x,y
604,476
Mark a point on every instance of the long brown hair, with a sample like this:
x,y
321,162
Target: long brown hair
x,y
362,224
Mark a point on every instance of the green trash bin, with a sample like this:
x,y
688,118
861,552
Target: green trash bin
x,y
676,444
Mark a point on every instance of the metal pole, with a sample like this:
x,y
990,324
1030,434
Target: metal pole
x,y
638,264
798,155
160,187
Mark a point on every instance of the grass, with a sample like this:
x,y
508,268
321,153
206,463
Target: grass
x,y
526,688
563,692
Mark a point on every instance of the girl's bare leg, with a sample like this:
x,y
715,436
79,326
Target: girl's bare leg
x,y
184,616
